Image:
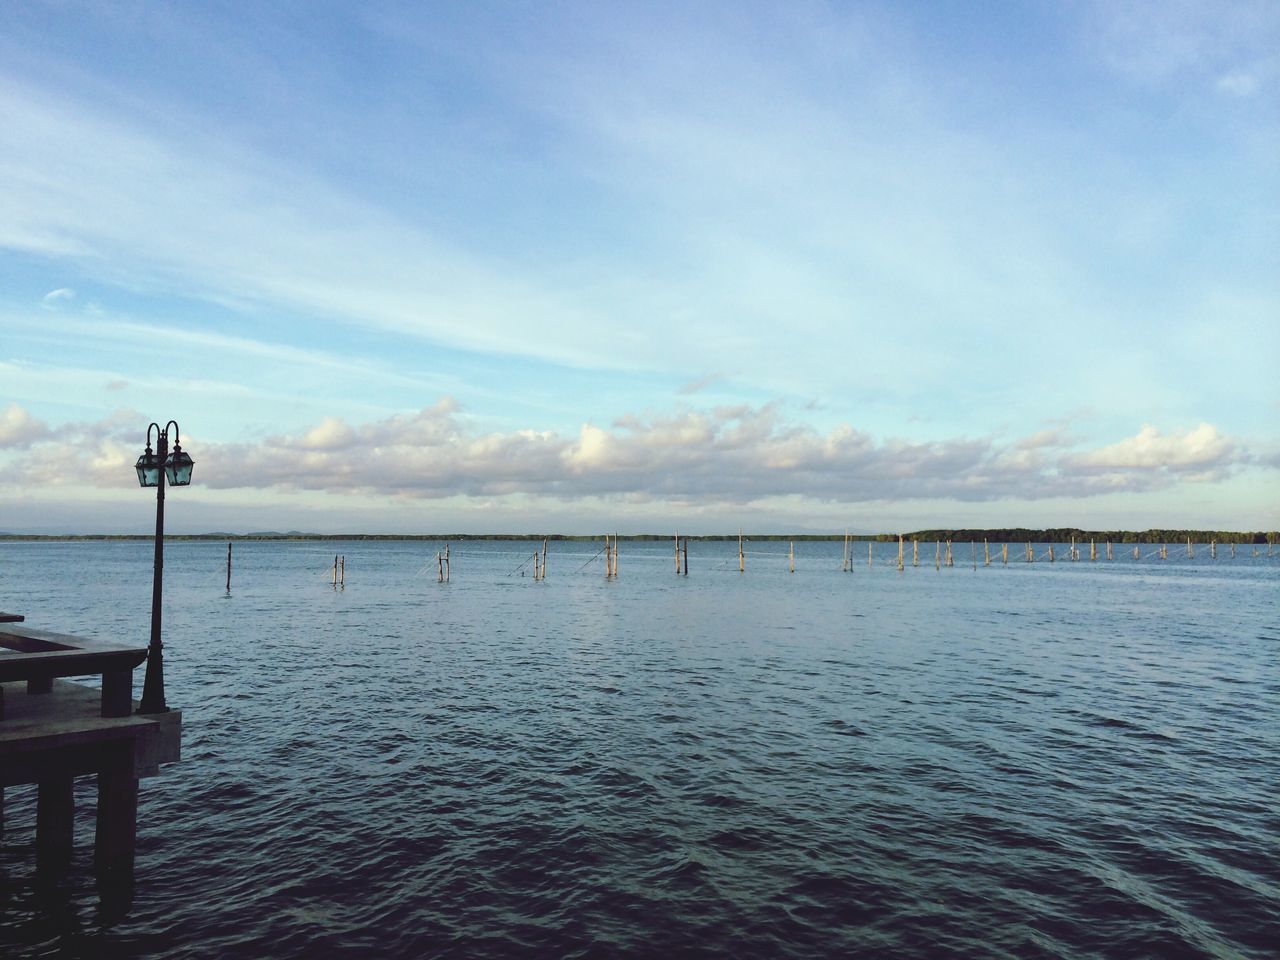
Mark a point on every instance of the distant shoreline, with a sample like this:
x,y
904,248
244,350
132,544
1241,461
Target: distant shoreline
x,y
1010,535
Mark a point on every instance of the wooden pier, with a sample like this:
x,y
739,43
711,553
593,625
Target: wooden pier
x,y
53,730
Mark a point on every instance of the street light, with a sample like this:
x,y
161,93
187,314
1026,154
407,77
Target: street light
x,y
154,469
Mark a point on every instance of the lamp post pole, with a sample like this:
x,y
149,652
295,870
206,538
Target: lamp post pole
x,y
153,470
153,683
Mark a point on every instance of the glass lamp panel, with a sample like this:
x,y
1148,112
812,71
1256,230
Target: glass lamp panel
x,y
178,468
148,467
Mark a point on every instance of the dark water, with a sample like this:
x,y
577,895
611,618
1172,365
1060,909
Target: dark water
x,y
1067,760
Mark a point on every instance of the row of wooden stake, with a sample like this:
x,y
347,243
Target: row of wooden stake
x,y
940,559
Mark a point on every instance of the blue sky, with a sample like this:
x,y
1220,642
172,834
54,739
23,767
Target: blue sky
x,y
578,267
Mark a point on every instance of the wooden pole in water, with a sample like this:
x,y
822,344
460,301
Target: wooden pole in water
x,y
986,553
228,569
900,553
1137,553
615,554
342,571
742,554
1233,550
1030,554
446,563
1213,549
608,559
915,553
1051,552
544,558
1004,554
1109,554
847,563
937,554
677,553
686,556
335,571
1190,553
793,556
973,554
869,553
950,560
440,567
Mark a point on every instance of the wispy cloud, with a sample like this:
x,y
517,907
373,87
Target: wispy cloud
x,y
1156,41
700,384
54,298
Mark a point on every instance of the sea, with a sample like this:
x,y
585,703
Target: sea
x,y
1078,759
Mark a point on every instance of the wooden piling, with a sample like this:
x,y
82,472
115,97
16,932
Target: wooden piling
x,y
440,567
901,556
116,830
973,554
228,569
915,553
335,571
686,556
869,542
1213,549
1109,554
55,818
1190,552
446,563
937,554
742,554
1233,550
1031,555
950,559
677,553
342,571
986,553
847,564
793,556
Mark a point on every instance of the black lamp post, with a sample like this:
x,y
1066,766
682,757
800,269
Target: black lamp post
x,y
153,470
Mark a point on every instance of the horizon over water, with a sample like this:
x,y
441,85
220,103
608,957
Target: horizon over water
x,y
1032,760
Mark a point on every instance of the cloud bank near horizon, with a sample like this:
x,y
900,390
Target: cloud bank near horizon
x,y
724,455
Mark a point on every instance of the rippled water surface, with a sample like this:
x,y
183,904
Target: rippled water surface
x,y
1032,760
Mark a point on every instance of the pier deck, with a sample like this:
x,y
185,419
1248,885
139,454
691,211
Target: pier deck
x,y
53,730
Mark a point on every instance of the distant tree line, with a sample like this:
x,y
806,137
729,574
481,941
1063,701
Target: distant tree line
x,y
1064,534
997,535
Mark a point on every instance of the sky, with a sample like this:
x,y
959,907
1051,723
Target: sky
x,y
584,267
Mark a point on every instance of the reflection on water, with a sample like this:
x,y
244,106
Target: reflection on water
x,y
1074,759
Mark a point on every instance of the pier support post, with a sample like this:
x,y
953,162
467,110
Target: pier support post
x,y
55,817
117,828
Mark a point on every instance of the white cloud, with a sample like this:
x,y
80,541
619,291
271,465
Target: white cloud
x,y
19,429
52,299
1201,449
